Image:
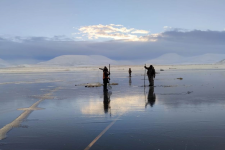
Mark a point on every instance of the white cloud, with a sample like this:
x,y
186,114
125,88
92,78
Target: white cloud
x,y
118,25
140,31
94,106
167,28
75,33
116,32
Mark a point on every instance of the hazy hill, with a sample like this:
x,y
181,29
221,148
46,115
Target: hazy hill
x,y
3,64
222,62
166,59
173,58
75,60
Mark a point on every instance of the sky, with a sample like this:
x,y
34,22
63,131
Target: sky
x,y
34,31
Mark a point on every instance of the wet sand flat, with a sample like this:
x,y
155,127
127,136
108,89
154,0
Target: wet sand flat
x,y
45,110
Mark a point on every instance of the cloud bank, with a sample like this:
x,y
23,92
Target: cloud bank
x,y
185,43
112,31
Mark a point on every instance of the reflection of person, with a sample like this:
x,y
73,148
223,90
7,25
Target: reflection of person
x,y
129,71
151,97
130,81
106,101
105,77
151,74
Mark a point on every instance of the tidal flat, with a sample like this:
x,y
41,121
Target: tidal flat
x,y
50,108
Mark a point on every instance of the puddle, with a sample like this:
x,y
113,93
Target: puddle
x,y
173,114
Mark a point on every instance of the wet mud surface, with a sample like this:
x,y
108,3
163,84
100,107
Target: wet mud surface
x,y
175,114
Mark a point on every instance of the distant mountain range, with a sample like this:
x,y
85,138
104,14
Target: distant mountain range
x,y
173,58
166,59
76,60
221,62
3,64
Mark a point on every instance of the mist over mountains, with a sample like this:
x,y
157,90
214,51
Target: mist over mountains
x,y
73,60
3,63
221,62
166,59
76,60
173,58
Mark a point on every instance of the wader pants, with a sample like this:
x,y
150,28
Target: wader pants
x,y
105,81
151,80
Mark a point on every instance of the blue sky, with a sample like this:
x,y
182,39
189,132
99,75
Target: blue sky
x,y
65,19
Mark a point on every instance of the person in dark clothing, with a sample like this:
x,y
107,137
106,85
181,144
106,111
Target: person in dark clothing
x,y
151,74
103,69
129,72
105,77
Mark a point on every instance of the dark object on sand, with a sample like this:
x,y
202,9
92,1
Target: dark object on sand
x,y
93,85
161,69
180,78
113,83
189,92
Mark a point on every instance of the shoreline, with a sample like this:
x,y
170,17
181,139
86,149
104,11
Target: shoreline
x,y
52,69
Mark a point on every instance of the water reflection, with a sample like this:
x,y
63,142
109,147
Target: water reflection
x,y
119,104
106,101
151,97
130,81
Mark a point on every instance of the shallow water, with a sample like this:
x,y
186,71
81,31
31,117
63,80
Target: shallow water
x,y
173,115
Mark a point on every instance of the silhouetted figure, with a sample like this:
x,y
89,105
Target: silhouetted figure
x,y
130,81
129,71
151,74
151,97
105,77
106,101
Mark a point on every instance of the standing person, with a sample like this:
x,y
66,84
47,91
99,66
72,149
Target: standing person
x,y
105,77
151,74
129,72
